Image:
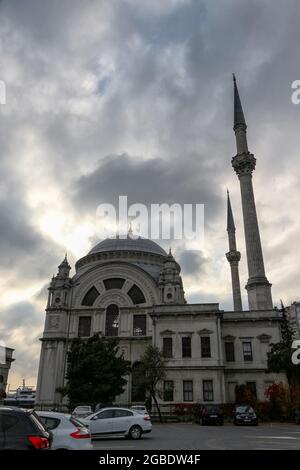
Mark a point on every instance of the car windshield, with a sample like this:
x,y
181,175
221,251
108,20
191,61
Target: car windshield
x,y
83,408
212,409
244,409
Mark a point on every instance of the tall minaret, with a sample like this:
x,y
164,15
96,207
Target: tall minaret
x,y
233,257
258,286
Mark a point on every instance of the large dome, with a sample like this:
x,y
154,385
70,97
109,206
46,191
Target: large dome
x,y
128,244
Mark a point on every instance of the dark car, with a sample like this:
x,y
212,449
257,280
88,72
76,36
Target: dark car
x,y
212,414
297,416
22,430
245,414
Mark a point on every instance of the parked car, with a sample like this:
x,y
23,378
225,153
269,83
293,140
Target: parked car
x,y
82,411
22,430
297,416
68,433
212,414
141,409
245,414
118,421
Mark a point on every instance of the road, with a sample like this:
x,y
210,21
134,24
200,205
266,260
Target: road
x,y
185,436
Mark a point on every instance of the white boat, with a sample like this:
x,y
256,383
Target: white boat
x,y
22,396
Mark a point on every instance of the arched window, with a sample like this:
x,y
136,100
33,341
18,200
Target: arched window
x,y
136,295
90,297
138,391
112,320
113,283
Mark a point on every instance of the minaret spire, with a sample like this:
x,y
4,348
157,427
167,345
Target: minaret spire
x,y
258,286
233,257
239,118
239,122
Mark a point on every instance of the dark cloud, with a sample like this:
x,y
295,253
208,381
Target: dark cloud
x,y
149,182
192,262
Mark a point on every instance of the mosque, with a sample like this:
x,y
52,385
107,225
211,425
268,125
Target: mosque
x,y
131,288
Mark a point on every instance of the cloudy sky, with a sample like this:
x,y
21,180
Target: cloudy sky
x,y
109,97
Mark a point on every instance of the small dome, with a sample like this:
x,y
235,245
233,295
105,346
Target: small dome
x,y
128,244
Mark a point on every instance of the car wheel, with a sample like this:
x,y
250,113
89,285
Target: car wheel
x,y
135,432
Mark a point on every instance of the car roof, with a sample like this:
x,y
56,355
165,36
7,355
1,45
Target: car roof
x,y
113,408
15,409
51,414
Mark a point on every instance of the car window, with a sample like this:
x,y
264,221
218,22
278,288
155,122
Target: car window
x,y
36,420
105,414
15,423
242,409
122,413
76,423
83,408
10,422
49,423
212,409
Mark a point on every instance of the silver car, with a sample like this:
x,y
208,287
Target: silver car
x,y
118,421
82,411
141,409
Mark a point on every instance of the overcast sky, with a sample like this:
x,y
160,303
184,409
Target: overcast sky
x,y
135,97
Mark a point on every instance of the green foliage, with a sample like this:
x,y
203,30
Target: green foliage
x,y
96,371
280,355
197,412
152,372
244,395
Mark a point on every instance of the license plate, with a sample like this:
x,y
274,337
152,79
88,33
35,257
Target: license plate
x,y
213,416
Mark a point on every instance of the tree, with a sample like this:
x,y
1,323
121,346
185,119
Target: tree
x,y
244,395
280,355
96,371
152,372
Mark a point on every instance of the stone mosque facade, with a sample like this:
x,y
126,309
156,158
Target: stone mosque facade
x,y
131,288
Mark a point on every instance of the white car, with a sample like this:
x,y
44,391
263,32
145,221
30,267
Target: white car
x,y
68,433
82,411
141,409
118,421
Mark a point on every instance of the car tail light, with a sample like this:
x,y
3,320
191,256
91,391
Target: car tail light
x,y
81,433
147,418
39,442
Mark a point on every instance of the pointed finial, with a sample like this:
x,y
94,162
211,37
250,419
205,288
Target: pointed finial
x,y
230,220
239,118
170,252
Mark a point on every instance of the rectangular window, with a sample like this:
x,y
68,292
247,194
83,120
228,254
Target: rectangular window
x,y
229,351
208,391
187,390
139,325
168,390
84,326
186,346
167,347
247,351
205,346
252,387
